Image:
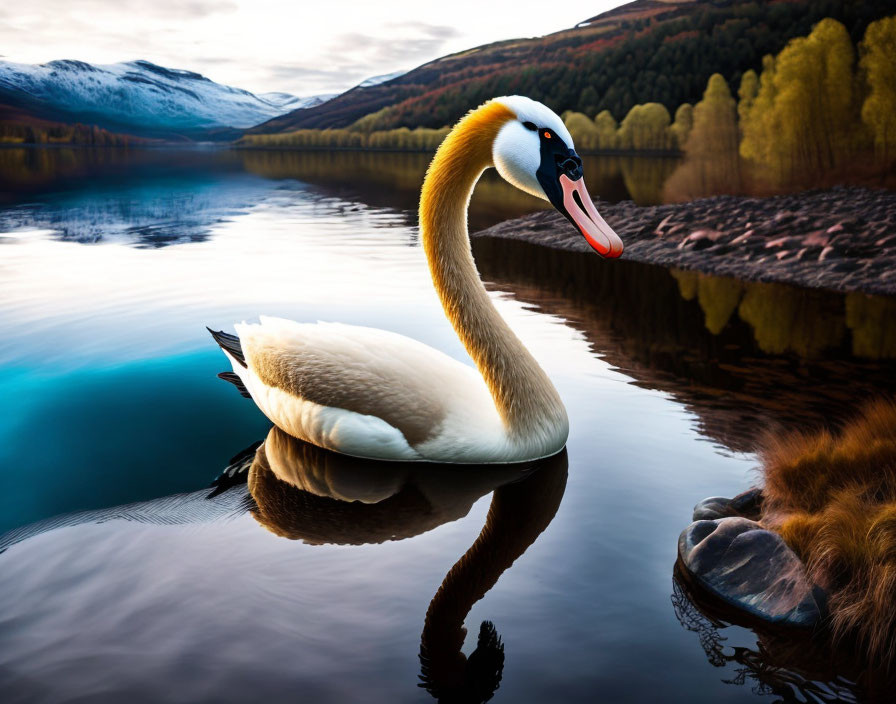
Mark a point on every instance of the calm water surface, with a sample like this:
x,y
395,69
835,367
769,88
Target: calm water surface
x,y
301,576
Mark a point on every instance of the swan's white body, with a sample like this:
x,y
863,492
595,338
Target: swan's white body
x,y
376,394
437,403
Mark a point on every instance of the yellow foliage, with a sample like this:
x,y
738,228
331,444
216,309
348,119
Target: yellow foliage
x,y
872,320
803,117
746,94
718,297
646,127
878,61
419,139
583,130
786,319
711,164
684,123
371,122
591,135
607,128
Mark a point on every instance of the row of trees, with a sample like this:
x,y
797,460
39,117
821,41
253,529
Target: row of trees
x,y
647,127
815,113
22,133
404,139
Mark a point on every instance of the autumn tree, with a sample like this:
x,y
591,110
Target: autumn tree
x,y
711,164
583,130
681,127
803,118
878,51
746,94
645,127
606,130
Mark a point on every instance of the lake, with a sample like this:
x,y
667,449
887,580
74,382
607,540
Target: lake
x,y
152,551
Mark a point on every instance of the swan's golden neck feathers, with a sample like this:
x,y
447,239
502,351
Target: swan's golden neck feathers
x,y
466,150
523,395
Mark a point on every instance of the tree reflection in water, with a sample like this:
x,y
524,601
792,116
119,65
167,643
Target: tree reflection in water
x,y
744,357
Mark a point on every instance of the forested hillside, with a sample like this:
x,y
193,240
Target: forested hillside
x,y
645,51
18,127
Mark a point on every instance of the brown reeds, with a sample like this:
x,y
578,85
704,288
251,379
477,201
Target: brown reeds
x,y
832,496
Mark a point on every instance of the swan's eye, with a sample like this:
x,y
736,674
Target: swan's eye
x,y
547,135
530,126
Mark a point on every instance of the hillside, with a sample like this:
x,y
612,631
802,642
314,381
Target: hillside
x,y
19,127
136,97
648,50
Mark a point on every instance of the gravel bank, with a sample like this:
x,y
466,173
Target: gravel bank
x,y
843,239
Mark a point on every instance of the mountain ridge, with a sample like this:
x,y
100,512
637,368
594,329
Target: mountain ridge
x,y
137,97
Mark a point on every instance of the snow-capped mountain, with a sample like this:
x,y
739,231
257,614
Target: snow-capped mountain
x,y
136,96
376,80
287,102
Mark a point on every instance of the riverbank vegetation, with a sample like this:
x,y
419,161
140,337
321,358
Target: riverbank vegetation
x,y
20,132
355,137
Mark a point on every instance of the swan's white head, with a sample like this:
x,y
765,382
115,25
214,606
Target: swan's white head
x,y
535,153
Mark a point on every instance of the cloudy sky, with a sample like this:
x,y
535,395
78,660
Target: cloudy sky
x,y
295,46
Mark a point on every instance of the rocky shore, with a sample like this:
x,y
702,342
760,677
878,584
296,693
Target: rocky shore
x,y
843,239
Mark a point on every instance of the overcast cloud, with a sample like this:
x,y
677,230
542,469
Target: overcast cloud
x,y
274,45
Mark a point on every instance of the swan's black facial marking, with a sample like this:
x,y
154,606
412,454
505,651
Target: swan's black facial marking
x,y
556,160
530,126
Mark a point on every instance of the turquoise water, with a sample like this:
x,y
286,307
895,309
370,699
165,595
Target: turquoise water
x,y
311,579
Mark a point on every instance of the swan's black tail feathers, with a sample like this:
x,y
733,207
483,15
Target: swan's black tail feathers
x,y
230,343
236,473
237,382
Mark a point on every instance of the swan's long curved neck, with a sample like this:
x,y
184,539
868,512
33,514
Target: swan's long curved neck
x,y
524,396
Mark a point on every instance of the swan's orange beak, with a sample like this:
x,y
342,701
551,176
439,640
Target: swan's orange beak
x,y
581,211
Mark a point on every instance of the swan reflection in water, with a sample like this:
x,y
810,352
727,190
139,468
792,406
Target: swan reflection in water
x,y
302,492
305,493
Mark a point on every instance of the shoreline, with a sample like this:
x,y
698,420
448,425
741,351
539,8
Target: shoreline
x,y
647,153
233,146
841,239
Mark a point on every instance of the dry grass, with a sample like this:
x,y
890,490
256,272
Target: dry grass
x,y
833,499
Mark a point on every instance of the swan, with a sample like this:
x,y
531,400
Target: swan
x,y
375,394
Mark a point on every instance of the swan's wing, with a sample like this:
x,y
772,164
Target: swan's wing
x,y
408,385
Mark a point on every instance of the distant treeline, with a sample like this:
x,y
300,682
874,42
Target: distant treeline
x,y
13,132
354,137
645,128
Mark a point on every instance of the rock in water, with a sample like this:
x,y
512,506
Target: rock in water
x,y
752,569
747,505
